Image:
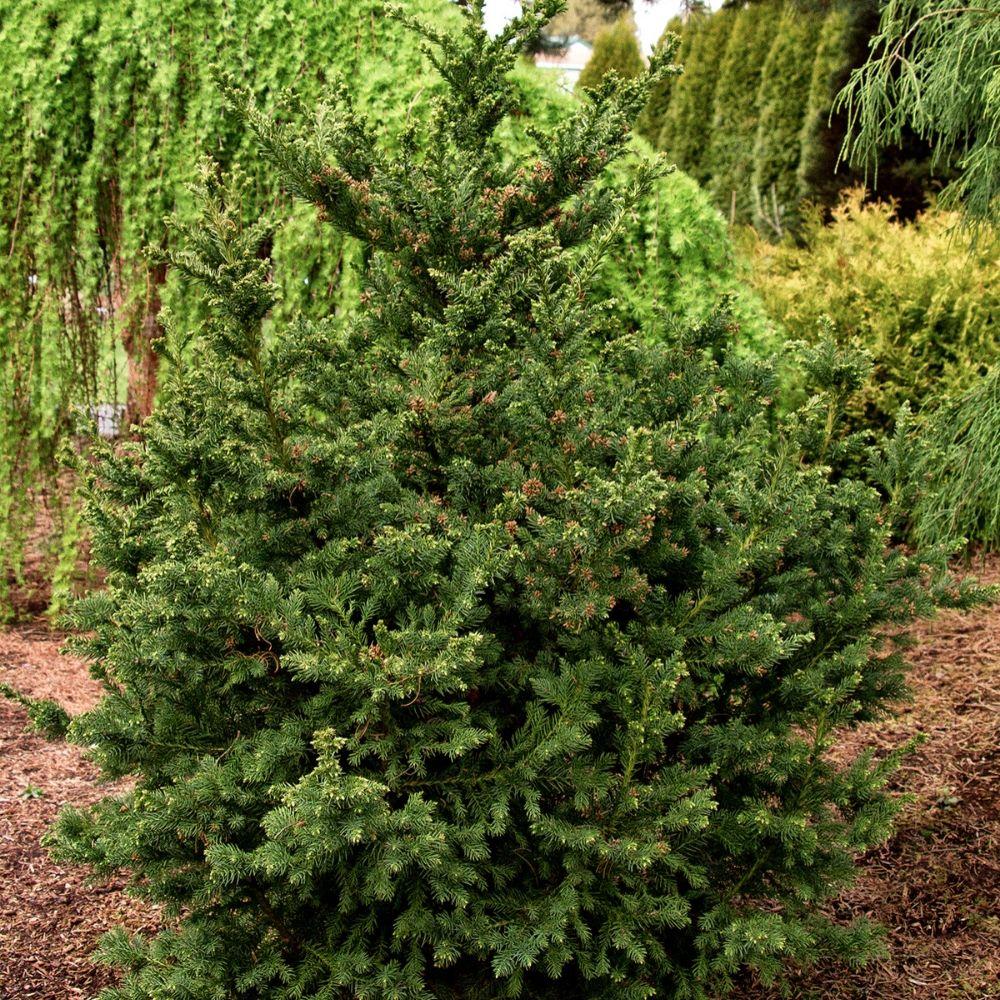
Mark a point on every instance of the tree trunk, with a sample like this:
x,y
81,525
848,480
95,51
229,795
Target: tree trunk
x,y
139,338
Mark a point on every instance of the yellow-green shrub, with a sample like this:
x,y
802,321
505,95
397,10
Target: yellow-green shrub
x,y
923,298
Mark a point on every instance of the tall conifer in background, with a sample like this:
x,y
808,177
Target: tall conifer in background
x,y
695,22
841,45
650,120
616,49
687,127
735,116
784,91
476,650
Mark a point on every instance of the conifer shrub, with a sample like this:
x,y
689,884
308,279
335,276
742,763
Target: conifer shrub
x,y
616,49
955,477
476,650
922,298
782,99
685,134
650,120
675,256
840,47
735,113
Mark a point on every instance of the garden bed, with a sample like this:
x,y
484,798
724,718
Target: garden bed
x,y
935,886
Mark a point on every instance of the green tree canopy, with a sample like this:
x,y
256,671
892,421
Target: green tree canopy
x,y
650,121
685,134
842,45
782,100
735,116
934,68
616,49
474,649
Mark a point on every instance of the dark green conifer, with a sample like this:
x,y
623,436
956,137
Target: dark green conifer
x,y
841,46
686,129
616,49
784,91
476,651
735,118
649,124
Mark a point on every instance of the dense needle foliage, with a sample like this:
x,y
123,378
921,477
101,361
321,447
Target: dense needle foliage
x,y
650,119
685,133
736,112
616,50
478,650
956,480
109,109
782,99
841,46
934,67
922,298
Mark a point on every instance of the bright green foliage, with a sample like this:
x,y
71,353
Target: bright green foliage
x,y
842,45
922,298
750,117
958,468
616,50
105,112
650,120
676,256
735,117
784,91
46,716
934,68
685,134
475,650
694,23
109,109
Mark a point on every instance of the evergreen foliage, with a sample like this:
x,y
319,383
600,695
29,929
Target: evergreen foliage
x,y
676,256
842,45
764,141
784,91
475,650
650,120
735,116
921,298
934,68
106,110
957,469
685,134
109,109
616,50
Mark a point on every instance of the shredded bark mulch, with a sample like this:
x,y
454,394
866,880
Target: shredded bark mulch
x,y
51,917
935,886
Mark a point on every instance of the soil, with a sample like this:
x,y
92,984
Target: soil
x,y
935,886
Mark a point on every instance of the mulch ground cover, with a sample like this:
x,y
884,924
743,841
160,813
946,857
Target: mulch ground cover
x,y
51,917
935,886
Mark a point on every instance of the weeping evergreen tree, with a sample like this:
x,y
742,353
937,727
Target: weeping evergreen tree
x,y
475,650
684,136
784,92
735,117
933,69
106,111
616,50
